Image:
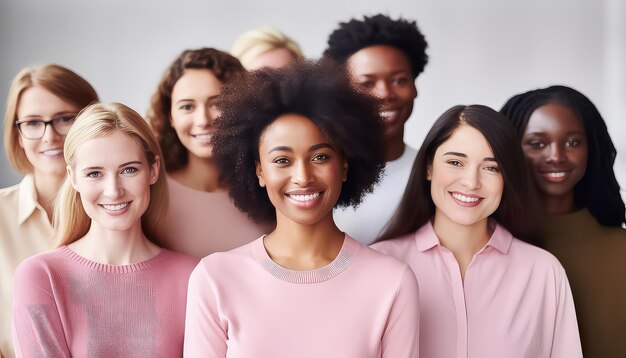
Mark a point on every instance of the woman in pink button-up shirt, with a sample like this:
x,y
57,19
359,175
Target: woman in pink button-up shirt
x,y
483,291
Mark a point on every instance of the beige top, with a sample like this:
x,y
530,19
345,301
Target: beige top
x,y
24,231
199,223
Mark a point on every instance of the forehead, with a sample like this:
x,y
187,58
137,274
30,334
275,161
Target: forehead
x,y
468,140
38,101
554,118
292,130
378,59
110,150
196,81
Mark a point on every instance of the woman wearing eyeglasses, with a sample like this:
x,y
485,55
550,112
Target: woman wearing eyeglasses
x,y
40,108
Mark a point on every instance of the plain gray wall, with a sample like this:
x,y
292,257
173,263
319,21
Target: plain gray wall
x,y
481,51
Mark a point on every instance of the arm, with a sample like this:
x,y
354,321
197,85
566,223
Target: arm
x,y
401,336
566,341
37,326
205,333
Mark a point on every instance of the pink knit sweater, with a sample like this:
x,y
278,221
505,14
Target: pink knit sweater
x,y
66,305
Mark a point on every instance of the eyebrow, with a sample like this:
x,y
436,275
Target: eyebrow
x,y
397,72
289,149
463,155
36,116
136,162
193,100
544,133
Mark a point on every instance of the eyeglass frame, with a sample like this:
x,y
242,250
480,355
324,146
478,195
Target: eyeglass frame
x,y
46,124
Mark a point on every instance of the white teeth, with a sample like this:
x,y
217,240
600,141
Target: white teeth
x,y
556,174
387,114
306,197
52,152
202,136
116,207
465,199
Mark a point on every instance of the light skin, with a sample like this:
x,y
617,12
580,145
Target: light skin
x,y
193,113
303,174
113,177
385,73
555,145
466,188
275,58
44,154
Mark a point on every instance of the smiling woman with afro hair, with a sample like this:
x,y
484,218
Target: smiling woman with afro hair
x,y
293,143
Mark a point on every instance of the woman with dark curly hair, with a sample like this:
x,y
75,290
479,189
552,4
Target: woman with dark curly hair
x,y
568,147
201,218
292,144
462,223
384,56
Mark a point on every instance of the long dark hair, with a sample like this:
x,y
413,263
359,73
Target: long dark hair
x,y
517,209
598,190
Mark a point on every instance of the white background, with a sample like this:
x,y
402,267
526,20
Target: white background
x,y
481,51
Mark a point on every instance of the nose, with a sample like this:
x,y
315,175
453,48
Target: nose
x,y
471,179
556,154
203,117
113,188
301,174
383,90
50,134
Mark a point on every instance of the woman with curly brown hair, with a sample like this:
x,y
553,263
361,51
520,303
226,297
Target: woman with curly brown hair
x,y
201,218
292,144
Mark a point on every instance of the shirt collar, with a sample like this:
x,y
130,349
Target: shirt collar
x,y
27,199
501,239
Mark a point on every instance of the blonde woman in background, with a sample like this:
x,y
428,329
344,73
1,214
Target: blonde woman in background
x,y
265,46
107,290
40,109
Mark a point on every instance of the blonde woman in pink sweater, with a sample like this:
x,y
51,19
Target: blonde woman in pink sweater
x,y
107,290
294,143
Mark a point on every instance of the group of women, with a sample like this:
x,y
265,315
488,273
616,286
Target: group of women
x,y
247,167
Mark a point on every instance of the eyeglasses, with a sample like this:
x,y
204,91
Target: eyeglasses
x,y
35,128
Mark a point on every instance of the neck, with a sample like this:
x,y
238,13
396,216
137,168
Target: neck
x,y
394,149
47,186
304,247
199,174
115,247
464,241
558,204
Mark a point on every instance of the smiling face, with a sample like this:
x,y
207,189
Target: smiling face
x,y
194,110
113,177
385,72
46,153
301,170
466,184
555,144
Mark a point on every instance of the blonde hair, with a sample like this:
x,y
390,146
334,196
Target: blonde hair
x,y
252,44
60,81
70,219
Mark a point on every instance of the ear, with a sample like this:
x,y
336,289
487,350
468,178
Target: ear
x,y
344,176
154,170
71,177
259,174
429,171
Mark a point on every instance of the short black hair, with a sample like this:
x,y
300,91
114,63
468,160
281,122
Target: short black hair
x,y
598,190
517,210
317,90
354,35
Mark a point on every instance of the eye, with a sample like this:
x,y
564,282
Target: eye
x,y
492,168
66,119
366,84
454,162
93,175
572,143
281,161
129,170
536,144
400,81
321,157
32,124
186,107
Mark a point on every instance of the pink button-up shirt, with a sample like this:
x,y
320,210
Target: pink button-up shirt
x,y
515,301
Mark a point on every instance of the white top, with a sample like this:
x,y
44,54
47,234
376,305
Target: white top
x,y
368,221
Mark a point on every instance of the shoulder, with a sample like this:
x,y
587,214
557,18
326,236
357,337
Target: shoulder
x,y
535,257
40,266
221,261
175,259
9,194
398,247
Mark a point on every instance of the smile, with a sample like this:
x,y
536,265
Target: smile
x,y
555,177
115,207
465,199
306,197
52,152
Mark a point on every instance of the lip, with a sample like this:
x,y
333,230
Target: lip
x,y
389,115
466,200
116,209
304,199
53,153
203,137
556,175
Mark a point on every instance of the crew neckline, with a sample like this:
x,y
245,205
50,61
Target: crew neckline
x,y
134,267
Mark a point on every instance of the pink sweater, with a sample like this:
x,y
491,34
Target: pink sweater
x,y
242,304
65,305
515,300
